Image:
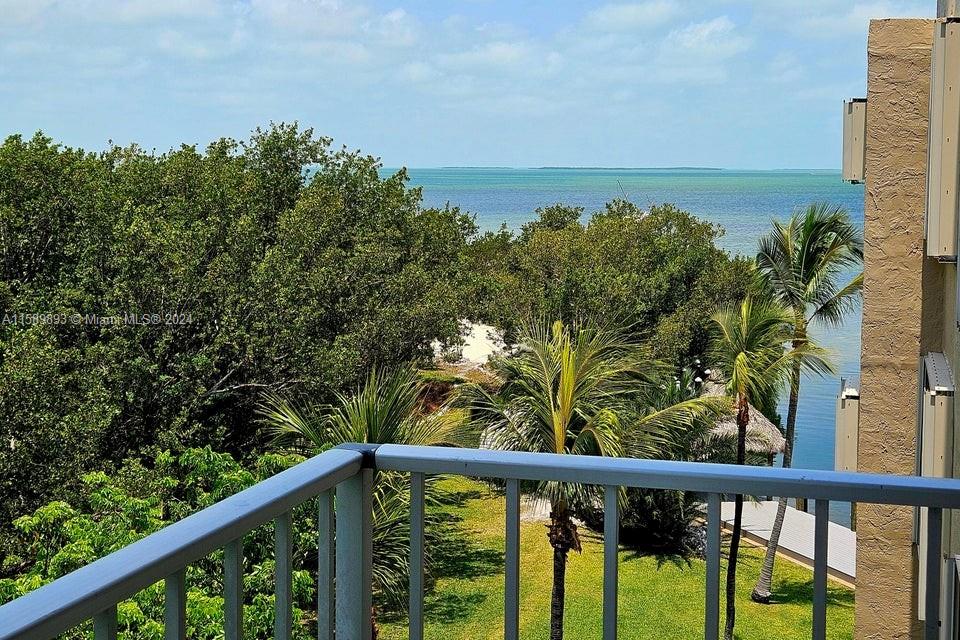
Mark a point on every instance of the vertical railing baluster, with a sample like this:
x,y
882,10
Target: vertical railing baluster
x,y
175,606
611,544
934,562
949,599
354,555
105,624
416,555
711,629
511,595
233,590
821,530
326,568
283,557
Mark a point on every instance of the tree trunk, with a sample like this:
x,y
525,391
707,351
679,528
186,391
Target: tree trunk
x,y
556,600
761,592
563,537
743,417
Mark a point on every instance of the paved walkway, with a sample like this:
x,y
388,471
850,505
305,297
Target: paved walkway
x,y
796,538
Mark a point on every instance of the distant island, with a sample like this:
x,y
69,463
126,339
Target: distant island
x,y
589,168
634,168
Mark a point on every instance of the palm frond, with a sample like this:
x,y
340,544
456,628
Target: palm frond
x,y
584,390
750,346
833,309
384,410
801,261
298,428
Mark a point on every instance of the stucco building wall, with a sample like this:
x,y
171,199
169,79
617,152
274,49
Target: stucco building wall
x,y
898,284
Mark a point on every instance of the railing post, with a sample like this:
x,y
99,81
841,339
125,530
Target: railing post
x,y
354,556
934,562
611,544
416,555
283,558
175,606
233,590
326,568
105,624
821,528
711,628
511,582
949,598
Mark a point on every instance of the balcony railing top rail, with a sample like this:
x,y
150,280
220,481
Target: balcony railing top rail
x,y
344,605
666,474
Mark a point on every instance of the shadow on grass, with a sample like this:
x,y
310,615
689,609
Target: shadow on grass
x,y
455,554
677,559
458,555
447,607
457,498
683,559
680,558
801,592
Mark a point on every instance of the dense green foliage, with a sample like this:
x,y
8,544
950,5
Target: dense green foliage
x,y
659,271
273,264
151,301
281,265
119,509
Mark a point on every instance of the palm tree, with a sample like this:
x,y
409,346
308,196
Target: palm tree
x,y
385,410
573,392
801,263
749,350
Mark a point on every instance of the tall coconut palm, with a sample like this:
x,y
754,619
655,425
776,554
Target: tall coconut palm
x,y
802,264
572,391
385,410
749,349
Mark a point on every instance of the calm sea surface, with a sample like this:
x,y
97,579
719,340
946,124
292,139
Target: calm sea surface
x,y
742,202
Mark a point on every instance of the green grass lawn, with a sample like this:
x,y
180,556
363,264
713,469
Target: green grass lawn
x,y
660,597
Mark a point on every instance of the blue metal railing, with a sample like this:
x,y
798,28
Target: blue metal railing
x,y
343,477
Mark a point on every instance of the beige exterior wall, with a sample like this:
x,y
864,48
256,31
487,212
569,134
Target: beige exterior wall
x,y
896,278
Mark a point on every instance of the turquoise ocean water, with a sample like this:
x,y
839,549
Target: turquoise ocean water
x,y
742,202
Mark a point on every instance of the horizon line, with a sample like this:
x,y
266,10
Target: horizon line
x,y
602,168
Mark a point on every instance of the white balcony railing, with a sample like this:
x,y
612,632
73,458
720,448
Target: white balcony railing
x,y
341,480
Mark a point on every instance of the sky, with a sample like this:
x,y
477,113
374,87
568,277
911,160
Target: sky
x,y
750,84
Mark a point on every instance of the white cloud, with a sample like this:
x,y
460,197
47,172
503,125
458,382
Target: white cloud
x,y
785,68
14,12
340,51
316,17
490,54
177,44
858,17
714,38
24,48
151,10
419,72
395,28
45,12
824,19
329,60
697,53
632,16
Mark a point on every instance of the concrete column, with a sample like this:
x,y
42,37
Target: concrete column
x,y
896,278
